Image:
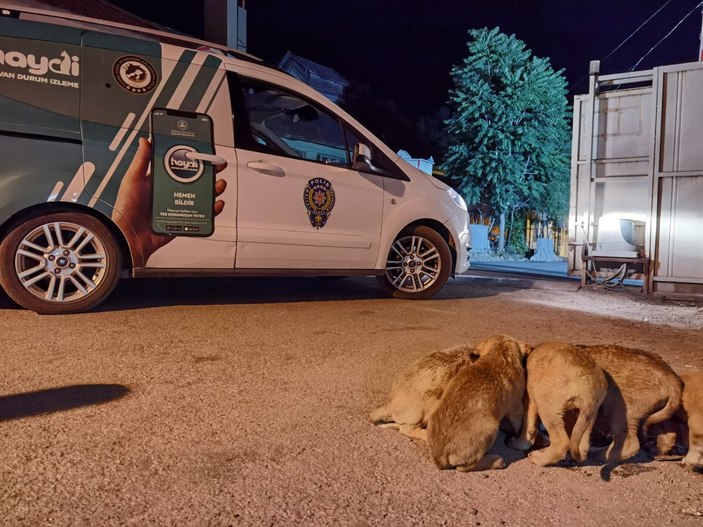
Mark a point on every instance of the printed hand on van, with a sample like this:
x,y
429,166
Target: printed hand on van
x,y
133,205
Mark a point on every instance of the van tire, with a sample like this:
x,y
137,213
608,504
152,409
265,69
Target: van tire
x,y
59,263
418,264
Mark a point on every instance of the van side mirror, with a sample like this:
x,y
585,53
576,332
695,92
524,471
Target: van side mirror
x,y
361,162
362,159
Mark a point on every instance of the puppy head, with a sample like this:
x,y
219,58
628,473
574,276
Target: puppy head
x,y
503,345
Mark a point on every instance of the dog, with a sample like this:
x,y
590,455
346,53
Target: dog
x,y
416,392
693,413
465,423
686,426
642,390
561,379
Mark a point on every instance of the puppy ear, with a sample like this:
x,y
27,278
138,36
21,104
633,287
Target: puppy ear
x,y
482,348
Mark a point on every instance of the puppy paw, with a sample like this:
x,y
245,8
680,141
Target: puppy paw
x,y
498,464
519,444
538,458
490,462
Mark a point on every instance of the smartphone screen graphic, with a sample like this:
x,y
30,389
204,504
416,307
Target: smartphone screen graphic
x,y
183,187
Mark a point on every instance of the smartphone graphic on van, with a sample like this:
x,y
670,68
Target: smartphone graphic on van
x,y
183,182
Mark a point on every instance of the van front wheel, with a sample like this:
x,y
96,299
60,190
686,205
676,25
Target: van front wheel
x,y
418,265
65,262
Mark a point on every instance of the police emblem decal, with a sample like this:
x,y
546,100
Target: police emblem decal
x,y
319,201
134,74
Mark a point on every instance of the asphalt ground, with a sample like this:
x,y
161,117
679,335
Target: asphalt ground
x,y
246,401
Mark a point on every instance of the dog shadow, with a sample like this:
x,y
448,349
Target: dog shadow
x,y
51,400
500,447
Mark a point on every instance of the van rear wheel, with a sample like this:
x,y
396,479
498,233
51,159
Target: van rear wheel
x,y
418,265
65,262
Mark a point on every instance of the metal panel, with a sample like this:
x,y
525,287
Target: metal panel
x,y
680,243
623,124
678,180
681,121
616,200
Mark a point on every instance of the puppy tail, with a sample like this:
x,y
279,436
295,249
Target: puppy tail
x,y
670,409
381,415
580,439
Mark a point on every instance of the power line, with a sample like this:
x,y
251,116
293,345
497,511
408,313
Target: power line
x,y
666,36
636,30
626,40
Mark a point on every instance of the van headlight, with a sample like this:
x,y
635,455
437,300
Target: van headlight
x,y
457,199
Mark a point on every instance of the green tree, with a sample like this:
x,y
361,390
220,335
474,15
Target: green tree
x,y
509,133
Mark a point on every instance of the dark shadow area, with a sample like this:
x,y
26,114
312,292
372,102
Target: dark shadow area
x,y
520,280
158,292
142,293
58,399
6,302
500,446
630,467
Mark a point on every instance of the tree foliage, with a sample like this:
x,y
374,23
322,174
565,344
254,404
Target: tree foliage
x,y
509,133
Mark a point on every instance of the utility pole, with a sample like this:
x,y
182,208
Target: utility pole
x,y
700,40
225,22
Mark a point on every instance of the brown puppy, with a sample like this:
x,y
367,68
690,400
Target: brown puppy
x,y
693,409
465,423
642,390
665,440
561,378
416,392
687,425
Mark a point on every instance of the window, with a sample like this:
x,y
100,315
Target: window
x,y
284,124
271,119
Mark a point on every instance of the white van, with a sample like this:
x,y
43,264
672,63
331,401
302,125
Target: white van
x,y
128,152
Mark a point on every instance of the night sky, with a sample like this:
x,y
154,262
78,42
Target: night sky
x,y
404,49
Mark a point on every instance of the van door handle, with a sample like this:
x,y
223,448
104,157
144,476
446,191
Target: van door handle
x,y
270,169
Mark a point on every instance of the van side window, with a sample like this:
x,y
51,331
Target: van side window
x,y
282,123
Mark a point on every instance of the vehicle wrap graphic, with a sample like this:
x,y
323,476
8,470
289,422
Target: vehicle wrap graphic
x,y
70,126
184,77
182,201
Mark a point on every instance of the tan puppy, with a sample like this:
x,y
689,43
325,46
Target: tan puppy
x,y
416,392
688,423
642,390
465,423
666,439
693,409
561,378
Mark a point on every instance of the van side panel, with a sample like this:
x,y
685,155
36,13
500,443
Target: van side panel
x,y
121,78
125,79
115,111
35,171
39,89
73,104
39,113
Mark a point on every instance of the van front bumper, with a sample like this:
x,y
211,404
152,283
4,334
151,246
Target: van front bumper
x,y
459,230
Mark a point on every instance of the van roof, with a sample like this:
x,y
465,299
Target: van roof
x,y
106,26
